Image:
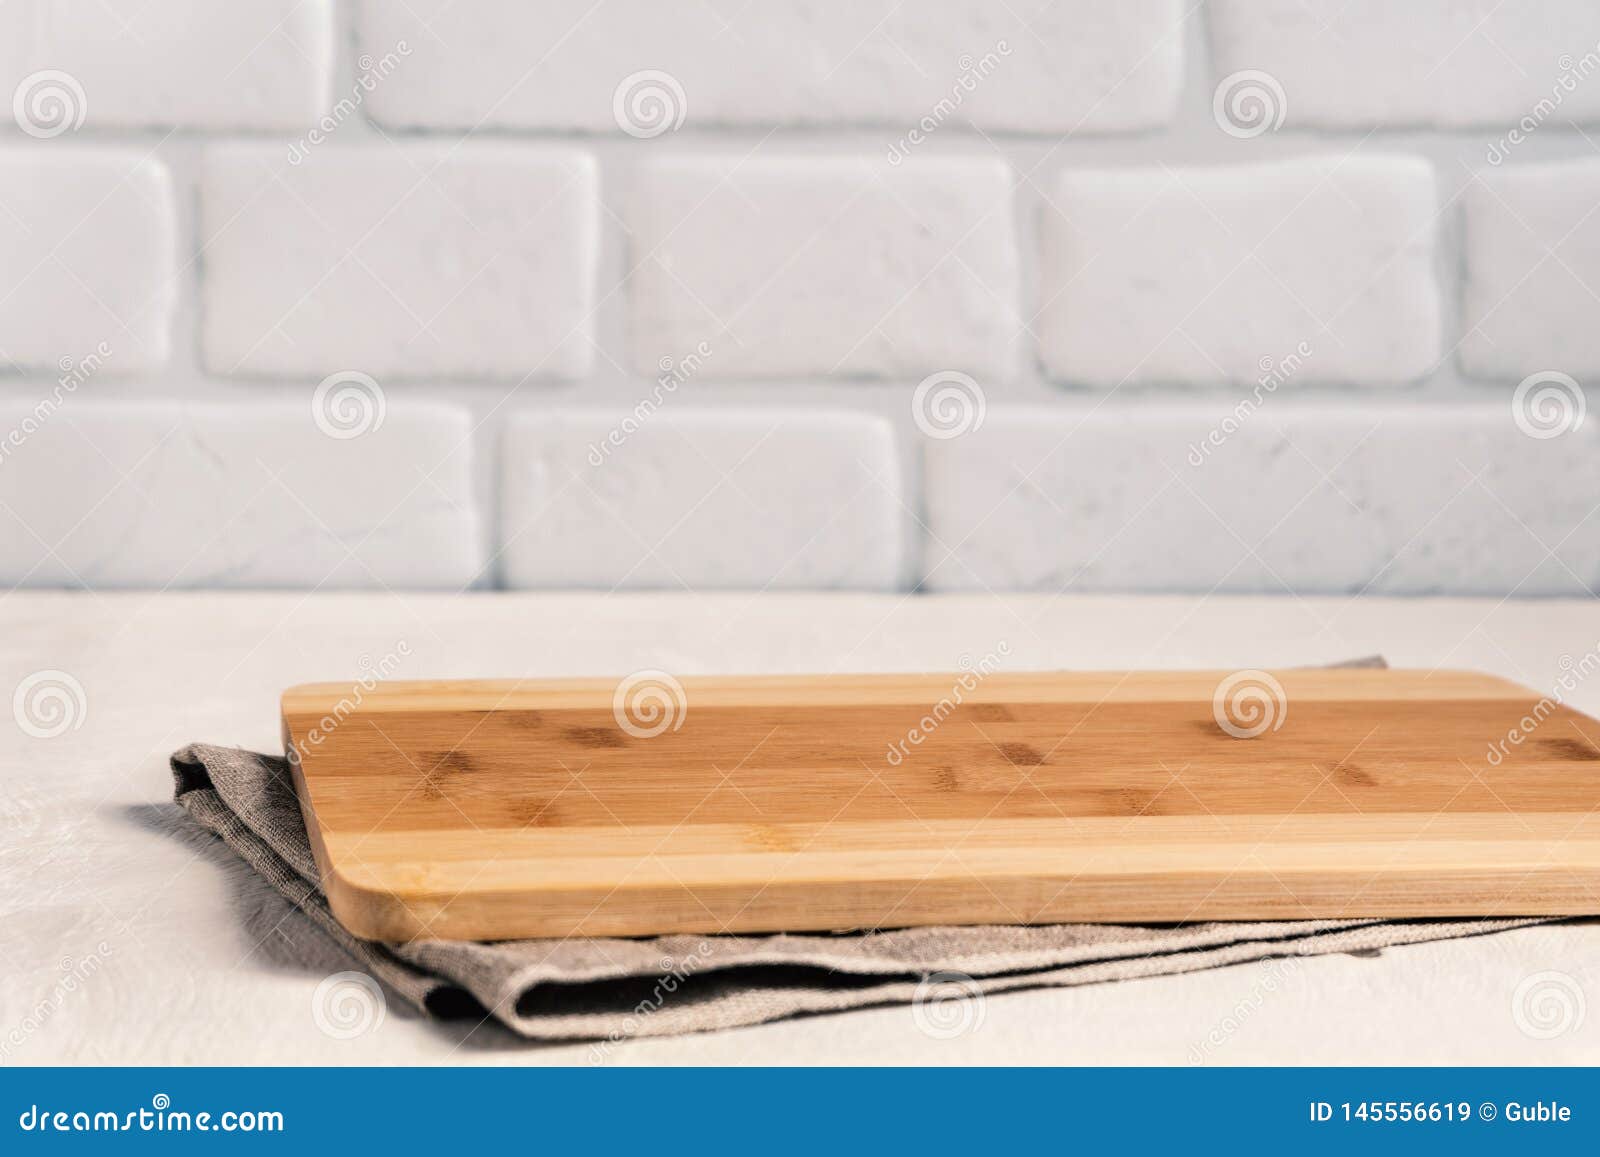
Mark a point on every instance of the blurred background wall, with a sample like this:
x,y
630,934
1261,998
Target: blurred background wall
x,y
1257,295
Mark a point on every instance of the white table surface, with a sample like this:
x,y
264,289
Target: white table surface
x,y
126,938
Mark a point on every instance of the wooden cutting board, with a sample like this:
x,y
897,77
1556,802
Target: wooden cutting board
x,y
488,810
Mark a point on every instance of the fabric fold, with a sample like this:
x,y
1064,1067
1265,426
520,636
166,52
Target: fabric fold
x,y
607,990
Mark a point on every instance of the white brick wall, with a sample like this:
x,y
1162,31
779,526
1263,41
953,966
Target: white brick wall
x,y
832,266
1450,63
88,250
245,495
1317,499
1532,256
697,499
1044,68
408,260
301,293
1192,275
247,64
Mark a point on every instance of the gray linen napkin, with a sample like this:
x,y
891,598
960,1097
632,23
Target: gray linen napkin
x,y
613,989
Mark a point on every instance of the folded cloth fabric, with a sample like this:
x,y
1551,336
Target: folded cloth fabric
x,y
607,990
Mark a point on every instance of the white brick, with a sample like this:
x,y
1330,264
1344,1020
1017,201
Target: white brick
x,y
415,260
88,252
1450,63
232,495
1532,293
1064,66
245,64
698,499
825,265
1195,276
1389,500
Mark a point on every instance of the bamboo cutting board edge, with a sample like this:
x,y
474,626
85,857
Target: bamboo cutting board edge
x,y
909,688
1493,872
684,893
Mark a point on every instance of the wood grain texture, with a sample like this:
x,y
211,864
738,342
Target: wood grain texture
x,y
490,810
